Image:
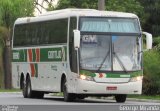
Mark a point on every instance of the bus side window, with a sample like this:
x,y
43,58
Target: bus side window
x,y
40,32
72,52
46,33
17,34
19,37
58,31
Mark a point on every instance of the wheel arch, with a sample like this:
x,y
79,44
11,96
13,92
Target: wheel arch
x,y
28,76
22,77
63,77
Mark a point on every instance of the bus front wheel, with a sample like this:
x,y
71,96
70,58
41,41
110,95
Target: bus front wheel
x,y
121,98
67,96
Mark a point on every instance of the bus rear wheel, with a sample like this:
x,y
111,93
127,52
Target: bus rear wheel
x,y
120,98
67,96
24,89
30,93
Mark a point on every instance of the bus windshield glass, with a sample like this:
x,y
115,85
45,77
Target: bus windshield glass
x,y
110,53
110,44
118,25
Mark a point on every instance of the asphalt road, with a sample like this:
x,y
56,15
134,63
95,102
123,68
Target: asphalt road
x,y
16,102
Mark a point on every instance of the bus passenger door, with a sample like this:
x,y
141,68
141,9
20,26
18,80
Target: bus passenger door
x,y
73,72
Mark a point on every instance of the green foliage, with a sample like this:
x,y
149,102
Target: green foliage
x,y
10,90
10,10
156,43
77,4
152,14
152,97
151,83
132,6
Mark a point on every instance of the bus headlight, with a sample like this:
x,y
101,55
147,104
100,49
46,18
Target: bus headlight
x,y
88,78
138,78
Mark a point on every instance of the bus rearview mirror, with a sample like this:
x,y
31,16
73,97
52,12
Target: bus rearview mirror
x,y
76,39
148,40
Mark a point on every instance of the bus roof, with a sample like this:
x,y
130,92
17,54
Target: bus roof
x,y
65,13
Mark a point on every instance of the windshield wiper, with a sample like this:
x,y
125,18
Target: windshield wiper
x,y
103,61
120,62
105,58
114,55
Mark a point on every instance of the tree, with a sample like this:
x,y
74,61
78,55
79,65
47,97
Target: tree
x,y
40,5
10,10
3,34
152,12
77,4
132,6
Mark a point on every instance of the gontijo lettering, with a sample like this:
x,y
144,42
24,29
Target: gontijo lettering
x,y
54,54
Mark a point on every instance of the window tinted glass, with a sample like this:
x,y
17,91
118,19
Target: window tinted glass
x,y
19,35
41,33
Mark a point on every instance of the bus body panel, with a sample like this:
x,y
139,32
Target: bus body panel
x,y
45,76
90,87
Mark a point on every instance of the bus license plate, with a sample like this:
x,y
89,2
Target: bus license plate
x,y
111,88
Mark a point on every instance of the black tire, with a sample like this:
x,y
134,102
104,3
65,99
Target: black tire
x,y
120,98
24,89
68,97
30,93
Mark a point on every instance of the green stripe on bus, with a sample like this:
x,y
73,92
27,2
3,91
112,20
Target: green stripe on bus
x,y
19,55
112,75
34,55
46,55
52,54
36,68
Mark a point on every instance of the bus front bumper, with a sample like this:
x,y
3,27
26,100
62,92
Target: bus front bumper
x,y
91,87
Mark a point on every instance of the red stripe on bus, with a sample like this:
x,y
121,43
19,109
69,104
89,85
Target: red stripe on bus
x,y
33,71
30,55
37,55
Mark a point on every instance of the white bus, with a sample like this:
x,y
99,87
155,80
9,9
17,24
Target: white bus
x,y
80,52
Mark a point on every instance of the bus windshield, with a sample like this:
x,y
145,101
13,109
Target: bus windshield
x,y
110,53
110,44
97,24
